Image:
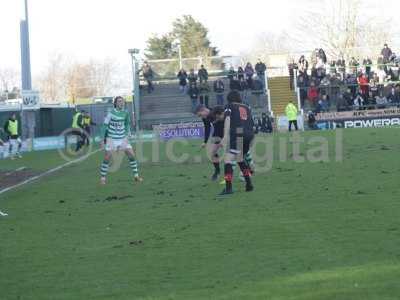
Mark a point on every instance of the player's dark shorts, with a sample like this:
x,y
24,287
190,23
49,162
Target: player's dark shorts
x,y
240,144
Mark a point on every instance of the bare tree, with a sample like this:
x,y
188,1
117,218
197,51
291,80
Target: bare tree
x,y
52,82
339,28
9,78
266,44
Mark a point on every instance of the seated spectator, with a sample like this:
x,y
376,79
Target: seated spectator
x,y
182,77
342,103
323,104
358,101
202,74
348,97
394,95
192,77
219,89
380,100
265,124
312,122
370,100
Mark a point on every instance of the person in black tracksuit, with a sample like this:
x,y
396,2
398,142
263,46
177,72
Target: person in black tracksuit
x,y
238,137
213,131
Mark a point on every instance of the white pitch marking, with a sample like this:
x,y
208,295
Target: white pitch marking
x,y
46,173
3,214
16,170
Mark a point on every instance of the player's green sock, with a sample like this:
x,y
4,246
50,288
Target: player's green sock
x,y
249,159
104,168
134,166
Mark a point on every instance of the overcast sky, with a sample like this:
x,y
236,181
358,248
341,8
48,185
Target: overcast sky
x,y
107,28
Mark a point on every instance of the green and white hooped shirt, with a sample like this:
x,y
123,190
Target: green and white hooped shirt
x,y
117,124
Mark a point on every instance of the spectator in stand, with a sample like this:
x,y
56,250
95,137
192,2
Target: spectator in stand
x,y
364,84
322,55
261,68
381,63
202,74
182,77
312,94
192,78
219,89
292,66
381,100
332,67
148,75
258,90
240,73
204,92
348,97
194,95
234,85
367,63
358,101
382,77
335,87
374,84
243,87
341,65
325,84
386,53
323,103
231,74
303,65
302,85
394,95
312,121
249,71
394,71
342,103
351,81
265,124
353,64
370,100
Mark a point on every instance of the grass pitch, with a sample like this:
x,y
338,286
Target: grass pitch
x,y
310,230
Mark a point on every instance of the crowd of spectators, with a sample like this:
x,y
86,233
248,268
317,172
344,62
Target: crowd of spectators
x,y
247,80
338,85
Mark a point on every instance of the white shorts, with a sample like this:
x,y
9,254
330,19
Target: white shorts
x,y
115,145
